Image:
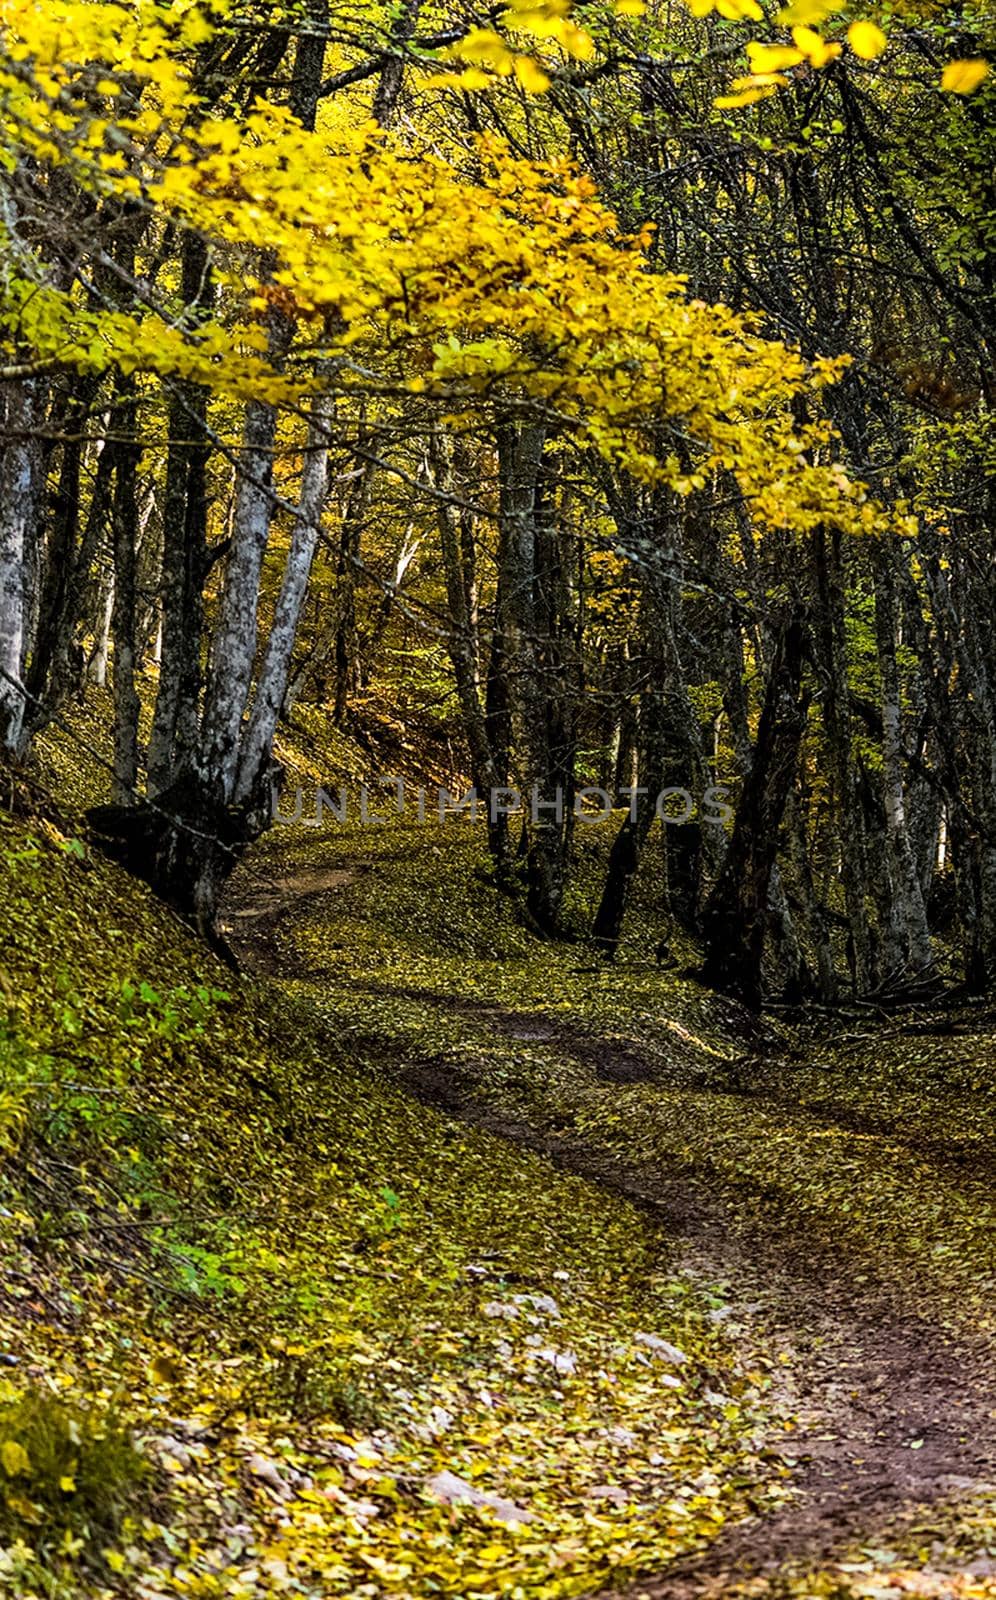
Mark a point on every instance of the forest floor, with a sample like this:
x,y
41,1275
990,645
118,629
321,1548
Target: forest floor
x,y
891,1371
420,1260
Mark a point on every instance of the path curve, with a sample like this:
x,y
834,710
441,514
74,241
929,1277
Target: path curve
x,y
893,1412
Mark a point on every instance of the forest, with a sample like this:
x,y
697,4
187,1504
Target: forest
x,y
497,799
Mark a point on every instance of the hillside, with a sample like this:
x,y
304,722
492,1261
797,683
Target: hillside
x,y
269,1309
306,1297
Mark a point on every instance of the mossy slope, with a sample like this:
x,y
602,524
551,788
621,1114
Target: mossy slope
x,y
303,1297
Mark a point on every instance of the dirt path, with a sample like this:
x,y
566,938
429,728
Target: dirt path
x,y
255,908
893,1413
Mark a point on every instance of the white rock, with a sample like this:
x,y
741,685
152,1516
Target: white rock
x,y
544,1304
563,1361
177,1449
607,1491
266,1472
454,1491
661,1348
440,1420
622,1436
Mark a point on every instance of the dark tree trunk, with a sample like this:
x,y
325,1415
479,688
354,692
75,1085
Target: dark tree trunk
x,y
124,524
736,913
529,623
173,741
182,845
627,846
463,643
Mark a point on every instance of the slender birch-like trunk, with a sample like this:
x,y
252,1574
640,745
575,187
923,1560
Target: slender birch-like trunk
x,y
274,674
22,489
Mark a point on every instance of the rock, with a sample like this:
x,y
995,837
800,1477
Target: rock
x,y
176,1450
500,1308
268,1473
661,1349
237,1530
563,1361
545,1304
454,1491
607,1491
622,1436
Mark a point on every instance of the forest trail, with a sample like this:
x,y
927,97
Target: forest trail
x,y
893,1414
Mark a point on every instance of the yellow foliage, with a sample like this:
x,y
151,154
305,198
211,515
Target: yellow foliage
x,y
14,1459
772,58
814,47
867,40
964,77
519,281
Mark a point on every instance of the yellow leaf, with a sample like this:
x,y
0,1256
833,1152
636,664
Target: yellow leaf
x,y
530,76
630,8
757,80
15,1459
67,1484
739,10
814,47
470,78
963,77
772,57
866,39
163,1370
807,12
746,97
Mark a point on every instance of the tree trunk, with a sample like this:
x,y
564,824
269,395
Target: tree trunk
x,y
735,918
274,673
456,547
173,741
22,489
835,706
527,641
124,524
907,949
